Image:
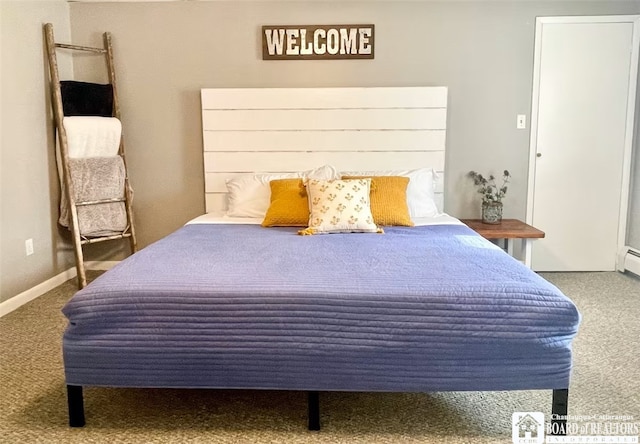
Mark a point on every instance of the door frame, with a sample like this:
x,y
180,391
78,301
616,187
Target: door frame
x,y
629,126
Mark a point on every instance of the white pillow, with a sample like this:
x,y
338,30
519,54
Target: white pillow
x,y
339,206
250,194
420,191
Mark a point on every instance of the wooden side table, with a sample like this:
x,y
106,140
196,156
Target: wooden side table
x,y
508,230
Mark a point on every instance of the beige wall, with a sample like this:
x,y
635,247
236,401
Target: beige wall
x,y
28,175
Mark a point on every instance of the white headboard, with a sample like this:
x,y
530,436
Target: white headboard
x,y
248,130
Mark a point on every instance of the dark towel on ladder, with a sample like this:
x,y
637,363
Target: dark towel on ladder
x,y
86,99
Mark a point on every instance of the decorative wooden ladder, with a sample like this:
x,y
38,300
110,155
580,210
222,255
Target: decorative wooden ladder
x,y
78,240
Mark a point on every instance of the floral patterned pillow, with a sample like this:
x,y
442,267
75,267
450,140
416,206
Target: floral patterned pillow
x,y
339,206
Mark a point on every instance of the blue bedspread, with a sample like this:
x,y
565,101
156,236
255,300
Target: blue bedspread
x,y
241,306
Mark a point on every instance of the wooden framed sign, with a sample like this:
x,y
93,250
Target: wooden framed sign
x,y
308,42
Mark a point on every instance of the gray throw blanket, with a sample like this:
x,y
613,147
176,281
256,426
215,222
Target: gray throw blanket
x,y
96,178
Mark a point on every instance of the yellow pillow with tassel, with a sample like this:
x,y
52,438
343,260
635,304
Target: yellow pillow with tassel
x,y
289,205
388,200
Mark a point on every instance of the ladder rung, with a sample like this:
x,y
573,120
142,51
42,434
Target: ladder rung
x,y
94,240
102,201
81,48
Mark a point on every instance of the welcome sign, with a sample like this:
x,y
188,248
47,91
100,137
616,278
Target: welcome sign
x,y
307,42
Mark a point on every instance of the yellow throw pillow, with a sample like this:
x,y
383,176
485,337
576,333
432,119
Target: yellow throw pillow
x,y
389,200
339,206
289,205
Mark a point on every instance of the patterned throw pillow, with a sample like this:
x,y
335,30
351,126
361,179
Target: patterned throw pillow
x,y
289,205
389,200
339,206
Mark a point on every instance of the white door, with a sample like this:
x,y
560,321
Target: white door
x,y
582,123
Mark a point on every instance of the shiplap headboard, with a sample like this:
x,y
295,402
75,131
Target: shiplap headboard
x,y
249,130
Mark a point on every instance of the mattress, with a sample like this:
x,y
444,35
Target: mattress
x,y
223,218
428,308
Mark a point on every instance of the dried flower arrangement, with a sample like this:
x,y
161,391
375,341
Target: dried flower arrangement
x,y
487,186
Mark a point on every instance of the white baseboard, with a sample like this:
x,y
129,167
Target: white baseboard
x,y
29,295
632,263
26,296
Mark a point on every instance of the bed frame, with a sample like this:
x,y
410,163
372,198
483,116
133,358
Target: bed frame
x,y
253,130
558,409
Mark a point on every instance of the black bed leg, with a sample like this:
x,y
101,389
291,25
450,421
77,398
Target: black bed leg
x,y
559,412
76,405
314,411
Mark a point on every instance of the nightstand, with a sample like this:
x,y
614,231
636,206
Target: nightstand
x,y
508,230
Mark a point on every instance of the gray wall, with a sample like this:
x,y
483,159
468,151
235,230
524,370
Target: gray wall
x,y
29,191
633,228
633,220
166,52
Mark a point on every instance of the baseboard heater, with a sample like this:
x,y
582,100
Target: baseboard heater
x,y
632,262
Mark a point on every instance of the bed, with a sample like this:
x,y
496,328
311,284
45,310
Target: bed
x,y
428,308
226,303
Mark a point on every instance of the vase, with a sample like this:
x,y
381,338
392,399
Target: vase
x,y
491,212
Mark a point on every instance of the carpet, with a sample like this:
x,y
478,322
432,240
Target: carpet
x,y
33,398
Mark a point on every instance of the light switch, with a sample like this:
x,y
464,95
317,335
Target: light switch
x,y
521,121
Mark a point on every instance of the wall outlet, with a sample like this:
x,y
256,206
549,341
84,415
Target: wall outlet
x,y
28,247
521,121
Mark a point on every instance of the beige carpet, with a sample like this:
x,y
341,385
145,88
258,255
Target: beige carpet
x,y
606,381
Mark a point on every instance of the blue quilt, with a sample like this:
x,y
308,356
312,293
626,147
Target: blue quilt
x,y
241,306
